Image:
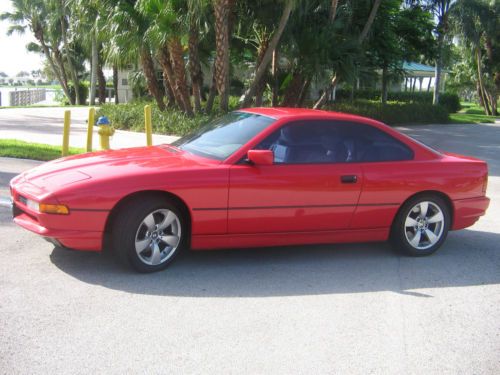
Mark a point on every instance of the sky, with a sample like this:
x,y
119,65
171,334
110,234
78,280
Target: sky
x,y
14,57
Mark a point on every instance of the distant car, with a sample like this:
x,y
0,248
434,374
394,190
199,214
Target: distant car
x,y
255,177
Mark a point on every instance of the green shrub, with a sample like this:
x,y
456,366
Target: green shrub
x,y
396,113
448,100
83,90
130,116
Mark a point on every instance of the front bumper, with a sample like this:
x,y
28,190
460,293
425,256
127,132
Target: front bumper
x,y
72,239
81,230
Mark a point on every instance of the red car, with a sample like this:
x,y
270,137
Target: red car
x,y
255,177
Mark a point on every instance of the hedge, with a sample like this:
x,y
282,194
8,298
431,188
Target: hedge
x,y
396,113
450,101
130,116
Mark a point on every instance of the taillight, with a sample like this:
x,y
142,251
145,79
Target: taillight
x,y
485,183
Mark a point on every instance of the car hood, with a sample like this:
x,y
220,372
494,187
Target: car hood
x,y
112,164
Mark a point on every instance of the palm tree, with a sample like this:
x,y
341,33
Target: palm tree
x,y
268,54
166,28
221,64
441,10
360,39
196,10
476,23
85,15
35,16
128,28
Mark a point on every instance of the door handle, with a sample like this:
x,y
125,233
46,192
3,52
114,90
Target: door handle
x,y
349,179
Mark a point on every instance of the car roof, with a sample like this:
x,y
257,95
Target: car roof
x,y
284,112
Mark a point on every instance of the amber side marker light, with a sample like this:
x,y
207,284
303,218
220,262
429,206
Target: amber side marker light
x,y
58,209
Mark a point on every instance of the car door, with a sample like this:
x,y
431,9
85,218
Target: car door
x,y
310,187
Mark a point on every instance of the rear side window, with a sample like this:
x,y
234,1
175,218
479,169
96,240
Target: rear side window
x,y
333,142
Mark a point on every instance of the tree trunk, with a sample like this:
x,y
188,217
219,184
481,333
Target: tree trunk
x,y
101,82
496,76
169,91
261,86
322,99
484,95
364,33
274,72
69,61
429,84
212,93
369,22
261,69
60,63
292,93
439,63
177,59
479,94
93,68
195,66
384,85
64,84
221,12
333,10
303,92
150,74
169,76
115,83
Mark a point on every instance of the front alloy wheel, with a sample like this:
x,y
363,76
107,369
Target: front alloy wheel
x,y
148,233
157,237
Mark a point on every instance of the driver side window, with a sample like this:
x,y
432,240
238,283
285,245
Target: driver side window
x,y
305,143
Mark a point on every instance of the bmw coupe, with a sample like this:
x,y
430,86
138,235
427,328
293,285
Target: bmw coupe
x,y
255,177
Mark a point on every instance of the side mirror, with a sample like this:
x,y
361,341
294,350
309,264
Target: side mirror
x,y
261,157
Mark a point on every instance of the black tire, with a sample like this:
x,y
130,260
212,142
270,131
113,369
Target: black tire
x,y
129,226
404,236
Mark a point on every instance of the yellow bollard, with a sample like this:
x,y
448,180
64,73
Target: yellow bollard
x,y
67,123
105,131
90,128
148,125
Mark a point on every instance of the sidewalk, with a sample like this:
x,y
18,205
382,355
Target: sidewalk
x,y
45,125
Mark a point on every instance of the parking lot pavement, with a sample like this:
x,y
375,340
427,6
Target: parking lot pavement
x,y
45,125
346,309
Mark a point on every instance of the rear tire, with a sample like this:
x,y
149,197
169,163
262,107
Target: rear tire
x,y
149,233
421,225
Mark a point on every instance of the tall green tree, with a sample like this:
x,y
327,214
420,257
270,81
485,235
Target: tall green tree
x,y
476,23
269,51
361,37
128,28
36,15
222,9
441,10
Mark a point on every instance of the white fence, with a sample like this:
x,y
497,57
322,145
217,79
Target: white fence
x,y
27,97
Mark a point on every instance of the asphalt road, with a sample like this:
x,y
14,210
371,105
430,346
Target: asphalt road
x,y
336,309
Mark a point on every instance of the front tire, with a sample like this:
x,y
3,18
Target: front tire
x,y
421,226
149,233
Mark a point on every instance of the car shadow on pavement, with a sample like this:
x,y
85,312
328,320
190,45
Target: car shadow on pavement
x,y
467,258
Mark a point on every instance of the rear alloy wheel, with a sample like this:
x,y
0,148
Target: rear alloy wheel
x,y
421,225
148,234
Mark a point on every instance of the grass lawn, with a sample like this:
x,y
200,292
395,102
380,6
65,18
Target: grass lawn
x,y
35,151
471,113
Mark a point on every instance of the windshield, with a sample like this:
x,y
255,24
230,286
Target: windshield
x,y
225,135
